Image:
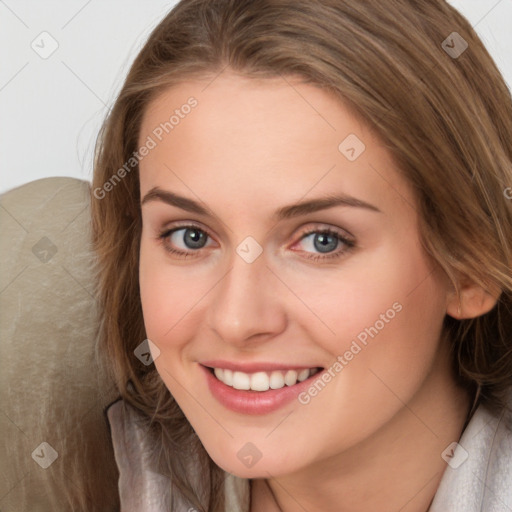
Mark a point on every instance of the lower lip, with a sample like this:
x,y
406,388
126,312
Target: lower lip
x,y
254,402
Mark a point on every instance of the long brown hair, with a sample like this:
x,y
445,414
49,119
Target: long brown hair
x,y
446,119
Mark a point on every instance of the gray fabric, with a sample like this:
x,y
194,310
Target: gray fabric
x,y
51,390
481,483
140,488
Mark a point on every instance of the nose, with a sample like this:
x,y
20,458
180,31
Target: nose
x,y
247,305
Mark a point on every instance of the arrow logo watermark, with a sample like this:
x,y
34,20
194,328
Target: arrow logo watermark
x,y
45,455
455,455
44,45
352,147
147,352
249,455
249,249
454,45
44,250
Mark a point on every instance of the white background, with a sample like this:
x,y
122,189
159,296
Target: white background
x,y
51,109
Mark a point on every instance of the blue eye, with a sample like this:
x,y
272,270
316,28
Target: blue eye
x,y
193,238
322,241
325,241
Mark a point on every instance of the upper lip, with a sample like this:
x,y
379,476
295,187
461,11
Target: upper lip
x,y
253,367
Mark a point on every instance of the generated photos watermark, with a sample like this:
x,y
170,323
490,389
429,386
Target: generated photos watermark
x,y
355,348
158,133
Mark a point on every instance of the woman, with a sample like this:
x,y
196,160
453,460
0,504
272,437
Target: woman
x,y
302,217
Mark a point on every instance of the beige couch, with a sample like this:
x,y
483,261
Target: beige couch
x,y
56,451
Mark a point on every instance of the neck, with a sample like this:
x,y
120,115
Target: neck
x,y
398,468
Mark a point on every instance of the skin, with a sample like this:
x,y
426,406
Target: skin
x,y
372,438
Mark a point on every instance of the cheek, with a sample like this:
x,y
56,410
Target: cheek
x,y
374,296
160,299
391,324
165,294
165,299
173,300
385,316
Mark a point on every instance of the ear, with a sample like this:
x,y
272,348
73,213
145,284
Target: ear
x,y
475,301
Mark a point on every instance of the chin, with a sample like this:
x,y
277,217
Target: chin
x,y
247,462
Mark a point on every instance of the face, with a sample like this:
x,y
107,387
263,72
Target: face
x,y
232,277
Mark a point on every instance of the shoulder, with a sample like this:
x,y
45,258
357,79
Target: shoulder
x,y
140,487
139,484
479,471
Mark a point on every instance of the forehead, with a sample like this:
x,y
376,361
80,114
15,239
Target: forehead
x,y
233,108
263,139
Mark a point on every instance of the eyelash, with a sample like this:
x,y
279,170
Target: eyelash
x,y
315,257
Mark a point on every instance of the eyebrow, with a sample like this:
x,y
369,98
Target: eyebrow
x,y
285,212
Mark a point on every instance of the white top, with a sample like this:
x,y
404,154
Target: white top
x,y
478,476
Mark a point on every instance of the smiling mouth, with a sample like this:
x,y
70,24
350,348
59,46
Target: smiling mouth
x,y
262,381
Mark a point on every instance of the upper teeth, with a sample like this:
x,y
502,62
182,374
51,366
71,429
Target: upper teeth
x,y
262,381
